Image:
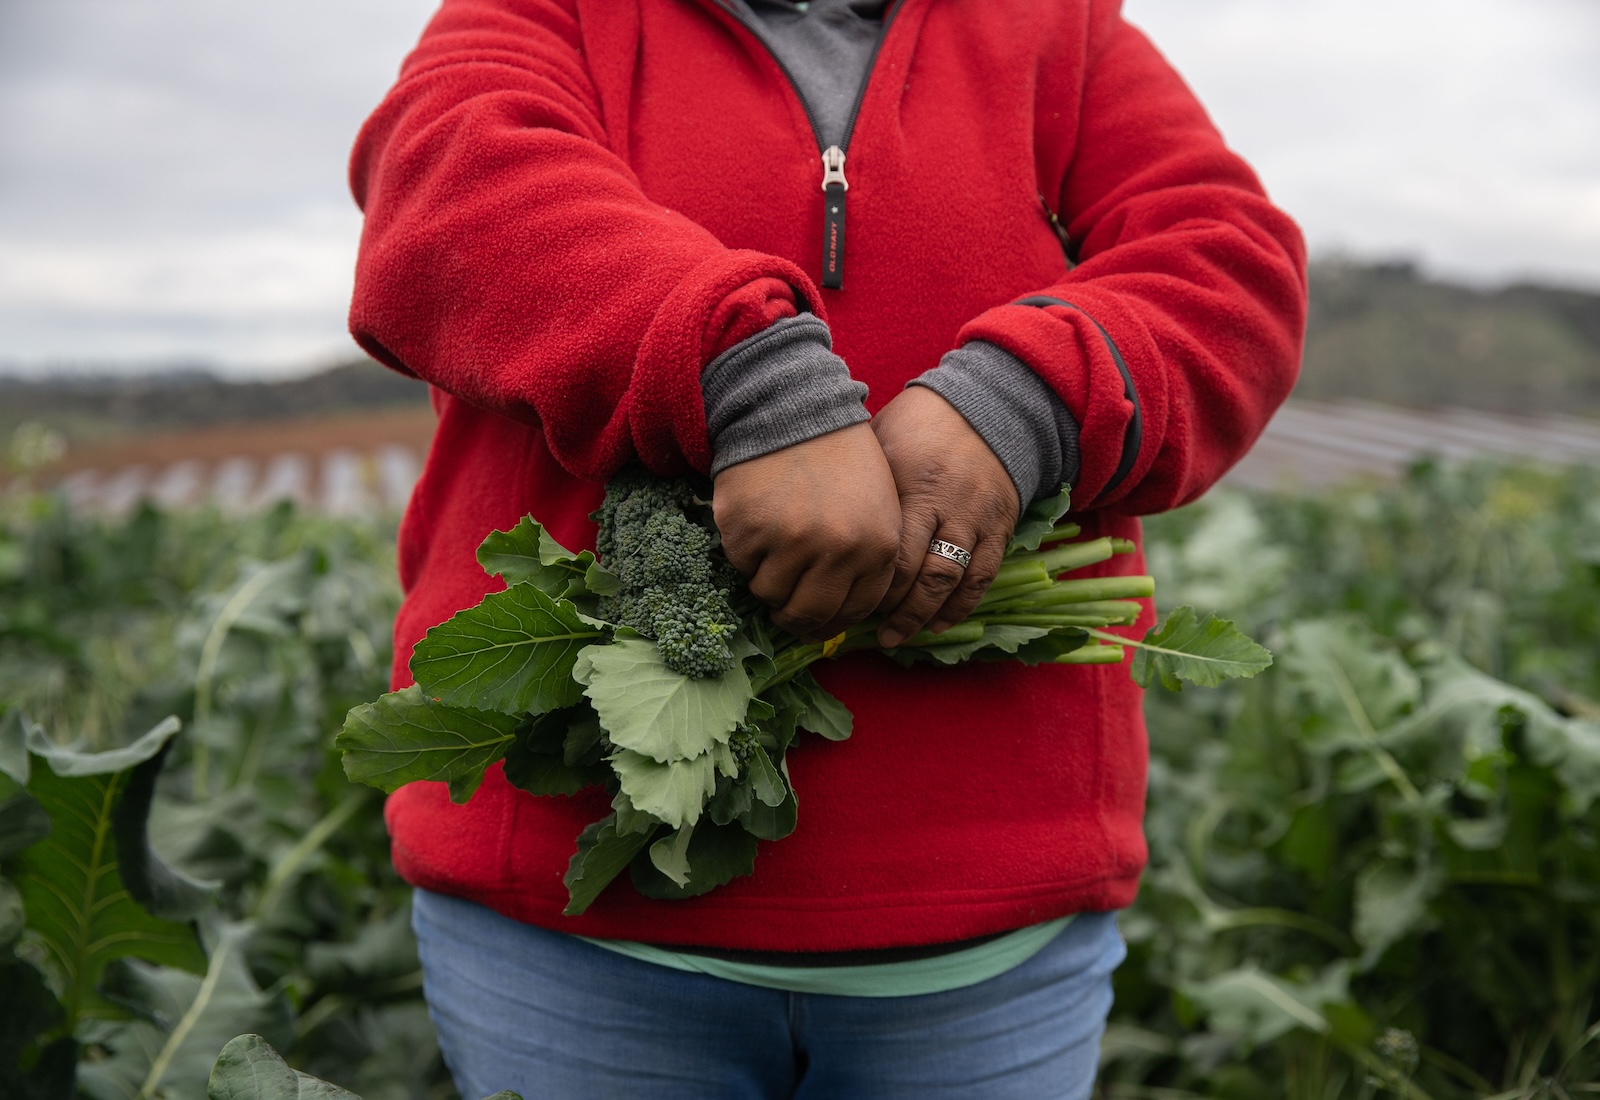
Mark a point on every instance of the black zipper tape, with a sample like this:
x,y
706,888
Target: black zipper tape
x,y
833,236
1133,437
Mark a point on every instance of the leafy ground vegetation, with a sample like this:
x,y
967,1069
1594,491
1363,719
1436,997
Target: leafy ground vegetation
x,y
1375,869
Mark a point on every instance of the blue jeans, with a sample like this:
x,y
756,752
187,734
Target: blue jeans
x,y
548,1016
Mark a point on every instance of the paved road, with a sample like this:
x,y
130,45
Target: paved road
x,y
355,466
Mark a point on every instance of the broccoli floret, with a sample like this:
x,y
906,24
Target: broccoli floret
x,y
693,634
673,589
673,551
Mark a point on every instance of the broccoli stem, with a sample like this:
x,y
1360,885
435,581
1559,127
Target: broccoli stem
x,y
1083,590
1061,559
1012,592
1055,620
969,631
1024,594
1122,612
1092,655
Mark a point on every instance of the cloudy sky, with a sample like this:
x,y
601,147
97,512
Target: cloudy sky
x,y
172,189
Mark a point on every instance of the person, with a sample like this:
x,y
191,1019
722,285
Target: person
x,y
887,272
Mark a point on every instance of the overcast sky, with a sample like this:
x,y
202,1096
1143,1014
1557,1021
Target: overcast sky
x,y
172,171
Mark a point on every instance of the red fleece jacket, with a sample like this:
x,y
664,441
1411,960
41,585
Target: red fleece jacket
x,y
573,205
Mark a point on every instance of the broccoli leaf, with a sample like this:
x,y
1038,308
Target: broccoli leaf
x,y
647,707
1000,638
670,855
675,792
765,782
1044,650
817,710
583,743
631,819
716,855
732,799
70,882
1039,520
1186,648
773,822
528,554
513,653
536,761
405,736
250,1069
601,856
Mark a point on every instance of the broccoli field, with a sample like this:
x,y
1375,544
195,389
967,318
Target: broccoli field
x,y
1375,868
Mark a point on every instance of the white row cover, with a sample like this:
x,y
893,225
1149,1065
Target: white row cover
x,y
340,482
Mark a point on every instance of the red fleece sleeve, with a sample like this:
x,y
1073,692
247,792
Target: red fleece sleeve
x,y
510,256
1192,275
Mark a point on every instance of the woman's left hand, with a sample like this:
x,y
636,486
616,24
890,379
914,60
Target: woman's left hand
x,y
952,488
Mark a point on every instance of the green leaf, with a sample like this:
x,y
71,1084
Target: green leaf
x,y
1039,520
716,855
631,819
404,736
70,763
23,823
1055,644
249,1069
77,905
733,799
675,792
765,782
183,1022
585,740
382,951
1391,902
1356,680
670,855
1204,652
600,581
773,822
601,856
996,639
28,1010
650,709
818,710
536,760
528,554
512,653
14,745
1258,1007
156,885
12,917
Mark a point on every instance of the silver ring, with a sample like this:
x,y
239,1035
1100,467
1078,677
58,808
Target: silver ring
x,y
950,550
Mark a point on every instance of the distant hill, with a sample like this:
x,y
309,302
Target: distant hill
x,y
91,408
1380,332
1385,333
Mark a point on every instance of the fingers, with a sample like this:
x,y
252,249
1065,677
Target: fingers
x,y
917,527
952,487
815,528
862,599
986,557
937,581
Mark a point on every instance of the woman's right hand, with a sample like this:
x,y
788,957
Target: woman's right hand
x,y
814,528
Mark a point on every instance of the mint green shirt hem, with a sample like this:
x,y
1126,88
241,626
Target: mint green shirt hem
x,y
913,978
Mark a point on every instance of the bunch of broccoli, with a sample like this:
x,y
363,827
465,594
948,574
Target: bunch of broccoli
x,y
658,540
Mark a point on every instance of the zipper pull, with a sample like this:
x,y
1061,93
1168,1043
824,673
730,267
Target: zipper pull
x,y
834,186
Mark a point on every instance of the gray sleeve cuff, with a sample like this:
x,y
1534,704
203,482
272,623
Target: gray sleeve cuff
x,y
1021,418
780,387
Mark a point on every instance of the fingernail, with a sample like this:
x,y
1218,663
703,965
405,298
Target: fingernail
x,y
890,638
938,627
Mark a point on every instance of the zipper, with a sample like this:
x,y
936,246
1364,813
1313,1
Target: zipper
x,y
834,184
